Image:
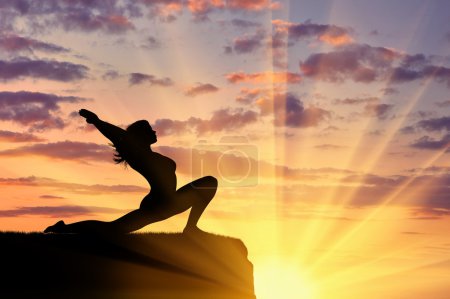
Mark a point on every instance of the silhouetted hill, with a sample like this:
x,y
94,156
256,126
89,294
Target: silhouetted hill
x,y
150,266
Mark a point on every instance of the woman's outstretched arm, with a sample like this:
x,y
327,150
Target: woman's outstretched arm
x,y
110,131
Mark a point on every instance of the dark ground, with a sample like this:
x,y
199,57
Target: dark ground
x,y
151,266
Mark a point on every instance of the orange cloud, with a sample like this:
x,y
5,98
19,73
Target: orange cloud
x,y
253,4
203,6
264,77
249,95
335,40
329,34
170,8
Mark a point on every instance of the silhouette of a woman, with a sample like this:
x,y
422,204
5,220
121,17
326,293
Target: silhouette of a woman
x,y
163,201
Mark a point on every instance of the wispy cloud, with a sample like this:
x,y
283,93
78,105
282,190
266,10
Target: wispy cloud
x,y
248,43
110,75
65,211
330,34
87,21
21,68
76,188
356,101
8,136
328,147
139,78
15,43
38,111
200,88
222,120
46,196
379,111
435,124
244,24
360,63
288,110
366,64
429,143
64,150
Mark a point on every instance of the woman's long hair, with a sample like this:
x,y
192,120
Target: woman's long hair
x,y
137,130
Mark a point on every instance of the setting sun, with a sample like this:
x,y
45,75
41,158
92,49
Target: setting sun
x,y
282,279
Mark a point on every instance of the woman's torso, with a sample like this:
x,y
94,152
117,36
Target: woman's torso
x,y
157,169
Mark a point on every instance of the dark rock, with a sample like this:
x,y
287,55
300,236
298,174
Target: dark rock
x,y
151,266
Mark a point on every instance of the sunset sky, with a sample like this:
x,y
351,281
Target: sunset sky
x,y
326,122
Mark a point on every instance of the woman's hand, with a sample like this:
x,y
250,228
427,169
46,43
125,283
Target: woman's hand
x,y
90,116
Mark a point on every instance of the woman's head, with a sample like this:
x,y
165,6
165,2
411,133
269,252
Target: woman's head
x,y
142,132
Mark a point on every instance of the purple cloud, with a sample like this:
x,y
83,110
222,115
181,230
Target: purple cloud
x,y
15,43
248,43
407,74
200,89
435,124
441,124
151,43
429,213
106,16
389,91
64,150
20,68
360,63
408,130
429,143
286,108
66,211
366,64
33,181
9,136
356,101
443,104
240,23
289,111
85,20
226,120
114,16
380,111
330,34
221,121
110,75
139,78
37,110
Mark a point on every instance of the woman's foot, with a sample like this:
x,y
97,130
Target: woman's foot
x,y
58,227
193,230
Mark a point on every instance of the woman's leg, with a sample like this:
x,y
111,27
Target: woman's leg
x,y
196,195
128,223
82,227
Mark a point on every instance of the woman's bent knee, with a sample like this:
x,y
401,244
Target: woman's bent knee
x,y
206,182
211,181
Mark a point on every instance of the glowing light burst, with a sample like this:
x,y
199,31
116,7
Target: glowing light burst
x,y
278,278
